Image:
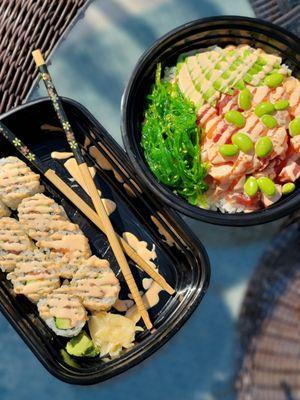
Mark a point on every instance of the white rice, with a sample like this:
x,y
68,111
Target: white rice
x,y
61,332
223,205
285,69
64,332
226,207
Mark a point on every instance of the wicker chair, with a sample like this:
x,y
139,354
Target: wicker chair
x,y
282,12
28,24
268,326
24,26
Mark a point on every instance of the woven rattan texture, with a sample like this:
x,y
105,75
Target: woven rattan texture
x,y
282,12
269,324
24,26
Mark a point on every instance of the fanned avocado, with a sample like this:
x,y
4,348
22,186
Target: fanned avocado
x,y
82,346
264,65
205,75
62,323
187,86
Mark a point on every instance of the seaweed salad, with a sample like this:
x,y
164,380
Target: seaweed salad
x,y
170,138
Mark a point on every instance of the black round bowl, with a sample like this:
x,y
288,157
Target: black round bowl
x,y
195,35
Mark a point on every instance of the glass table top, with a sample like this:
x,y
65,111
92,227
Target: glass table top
x,y
92,66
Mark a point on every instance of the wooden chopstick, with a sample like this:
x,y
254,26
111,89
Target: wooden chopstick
x,y
92,189
72,196
80,204
92,216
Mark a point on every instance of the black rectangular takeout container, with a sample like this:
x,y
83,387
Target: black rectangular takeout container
x,y
181,258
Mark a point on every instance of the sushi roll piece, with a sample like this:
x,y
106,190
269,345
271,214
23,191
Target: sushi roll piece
x,y
96,284
47,223
17,182
63,312
13,243
69,262
68,245
35,276
37,212
65,237
4,210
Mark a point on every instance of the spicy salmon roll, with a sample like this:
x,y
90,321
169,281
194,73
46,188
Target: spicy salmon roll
x,y
17,182
35,275
68,245
46,222
37,212
96,284
13,243
65,237
63,312
69,261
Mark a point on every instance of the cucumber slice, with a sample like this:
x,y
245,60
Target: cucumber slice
x,y
82,346
62,323
67,359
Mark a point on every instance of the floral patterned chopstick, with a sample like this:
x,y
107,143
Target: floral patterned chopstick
x,y
57,105
20,146
79,203
92,189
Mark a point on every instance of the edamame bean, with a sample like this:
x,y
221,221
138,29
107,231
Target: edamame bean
x,y
242,141
236,118
281,104
228,150
273,80
264,108
244,99
294,127
251,186
288,188
263,147
267,186
269,121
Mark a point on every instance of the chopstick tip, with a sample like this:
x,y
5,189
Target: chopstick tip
x,y
171,291
38,57
147,321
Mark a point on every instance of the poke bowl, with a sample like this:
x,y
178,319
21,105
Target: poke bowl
x,y
211,120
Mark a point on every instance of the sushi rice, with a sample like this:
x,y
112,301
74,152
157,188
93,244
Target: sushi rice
x,y
62,303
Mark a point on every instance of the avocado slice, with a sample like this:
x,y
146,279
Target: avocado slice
x,y
62,323
82,346
204,76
